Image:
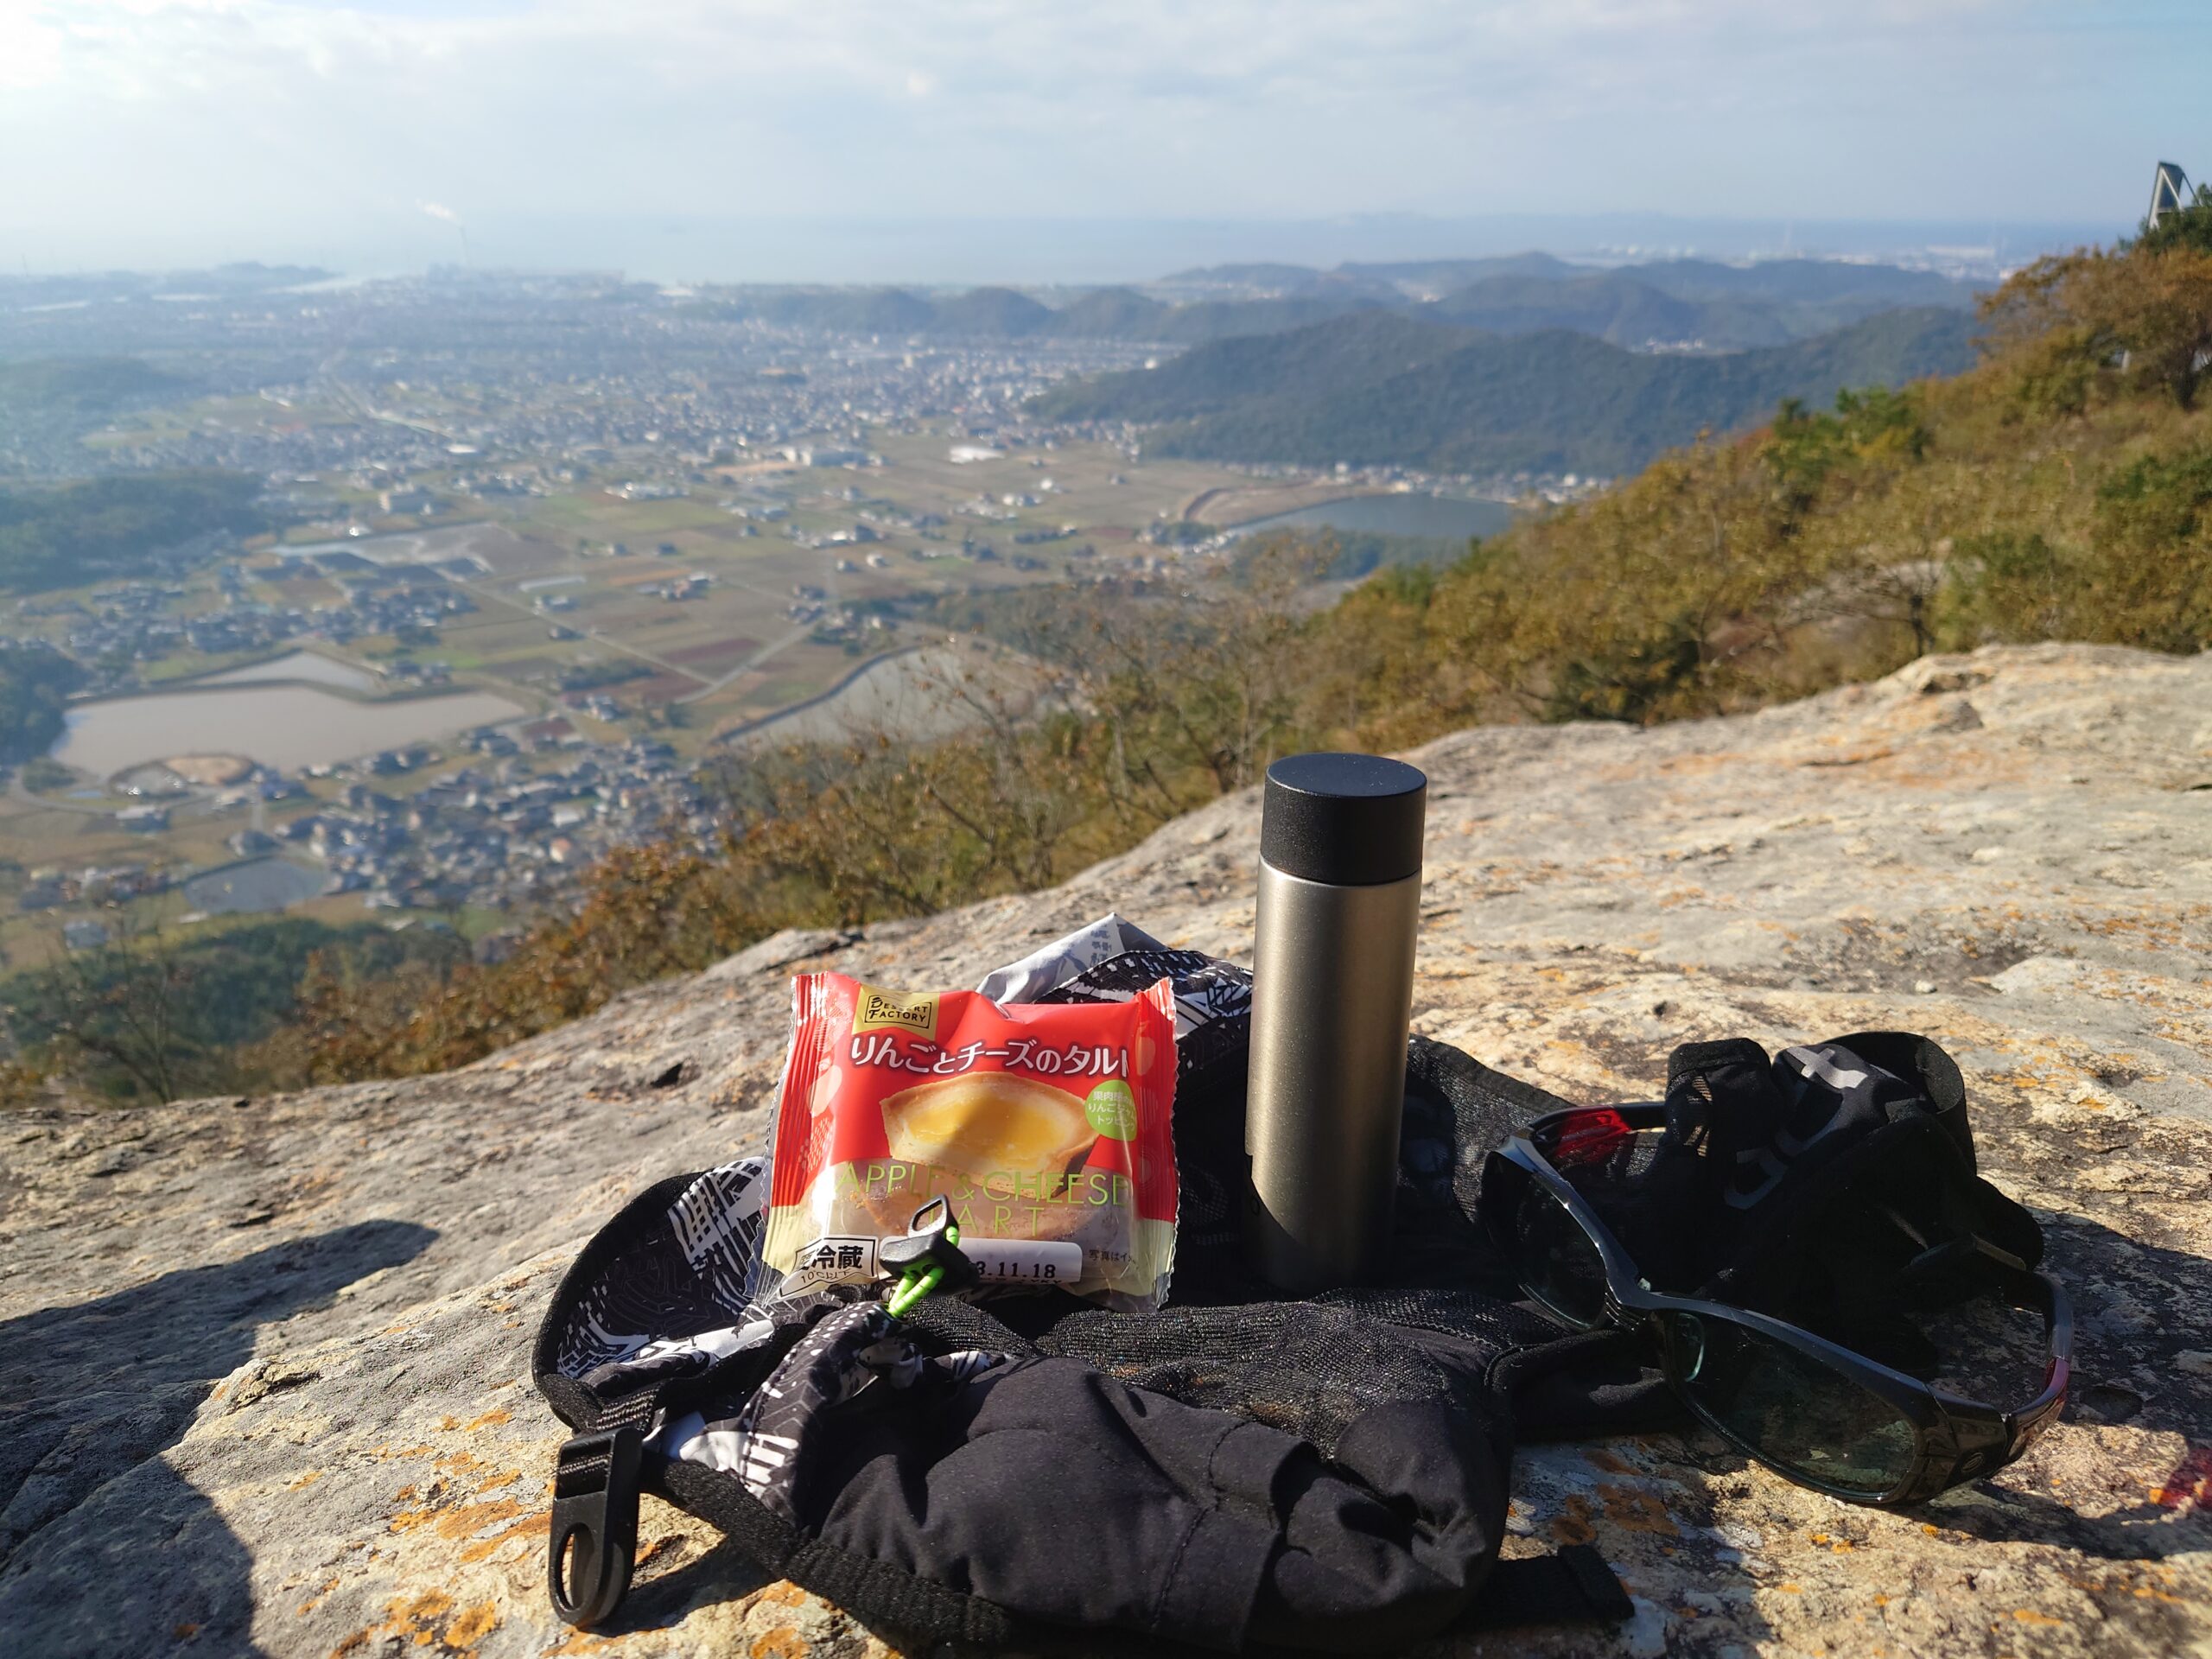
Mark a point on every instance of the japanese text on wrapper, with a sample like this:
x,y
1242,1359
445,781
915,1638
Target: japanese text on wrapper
x,y
927,1059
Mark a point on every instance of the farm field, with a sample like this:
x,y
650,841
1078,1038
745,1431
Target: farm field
x,y
576,582
761,602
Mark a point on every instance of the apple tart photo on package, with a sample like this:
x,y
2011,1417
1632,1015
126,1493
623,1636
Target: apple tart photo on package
x,y
1045,1128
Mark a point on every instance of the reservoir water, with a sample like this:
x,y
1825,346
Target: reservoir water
x,y
260,884
1434,517
286,726
298,665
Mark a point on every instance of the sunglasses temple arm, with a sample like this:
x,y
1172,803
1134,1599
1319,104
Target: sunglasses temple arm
x,y
2025,1424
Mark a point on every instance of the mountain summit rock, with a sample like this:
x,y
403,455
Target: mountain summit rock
x,y
265,1362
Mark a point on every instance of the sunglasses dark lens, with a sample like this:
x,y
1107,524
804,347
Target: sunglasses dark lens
x,y
1797,1413
1559,1264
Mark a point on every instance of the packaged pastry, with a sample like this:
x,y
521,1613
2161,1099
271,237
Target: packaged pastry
x,y
1046,1129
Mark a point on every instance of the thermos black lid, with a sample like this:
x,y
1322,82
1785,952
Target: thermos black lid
x,y
1349,820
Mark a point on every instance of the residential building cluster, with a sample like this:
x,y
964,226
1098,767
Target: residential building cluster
x,y
506,831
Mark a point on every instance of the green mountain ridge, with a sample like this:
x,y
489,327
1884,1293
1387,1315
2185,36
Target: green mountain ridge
x,y
1723,307
1382,388
994,312
1804,281
1619,306
1458,273
1109,314
1793,281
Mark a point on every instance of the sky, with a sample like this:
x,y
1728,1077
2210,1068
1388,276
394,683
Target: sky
x,y
1029,139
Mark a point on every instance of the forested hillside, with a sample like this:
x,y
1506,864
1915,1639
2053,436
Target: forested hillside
x,y
1386,388
65,535
162,1015
36,681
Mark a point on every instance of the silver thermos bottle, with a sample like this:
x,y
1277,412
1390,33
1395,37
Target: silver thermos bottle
x,y
1333,976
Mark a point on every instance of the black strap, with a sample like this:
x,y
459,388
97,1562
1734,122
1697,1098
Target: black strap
x,y
1575,1583
592,1544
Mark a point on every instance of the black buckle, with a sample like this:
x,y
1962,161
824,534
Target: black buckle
x,y
594,1505
928,1243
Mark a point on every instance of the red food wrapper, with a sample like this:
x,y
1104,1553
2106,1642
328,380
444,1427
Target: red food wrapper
x,y
1047,1128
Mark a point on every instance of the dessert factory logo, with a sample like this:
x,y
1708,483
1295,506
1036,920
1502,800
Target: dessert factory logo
x,y
875,1010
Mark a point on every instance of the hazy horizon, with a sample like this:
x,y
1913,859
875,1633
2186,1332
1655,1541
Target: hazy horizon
x,y
969,141
1036,253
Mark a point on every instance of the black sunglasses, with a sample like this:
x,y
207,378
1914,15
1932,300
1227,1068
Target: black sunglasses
x,y
1812,1411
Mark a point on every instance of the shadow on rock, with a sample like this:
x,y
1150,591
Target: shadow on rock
x,y
660,1600
2138,1308
104,1547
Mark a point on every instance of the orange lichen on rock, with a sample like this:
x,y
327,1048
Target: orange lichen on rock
x,y
531,1526
1637,1512
1574,1525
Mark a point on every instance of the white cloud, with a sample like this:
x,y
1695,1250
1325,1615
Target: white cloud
x,y
251,117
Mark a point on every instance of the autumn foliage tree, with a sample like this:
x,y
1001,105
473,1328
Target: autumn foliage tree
x,y
2138,314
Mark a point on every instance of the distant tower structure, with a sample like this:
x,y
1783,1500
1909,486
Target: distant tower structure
x,y
2168,191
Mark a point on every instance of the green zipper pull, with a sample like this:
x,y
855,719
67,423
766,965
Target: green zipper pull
x,y
929,1256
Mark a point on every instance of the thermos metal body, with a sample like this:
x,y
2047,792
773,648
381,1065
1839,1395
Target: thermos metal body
x,y
1332,995
1332,981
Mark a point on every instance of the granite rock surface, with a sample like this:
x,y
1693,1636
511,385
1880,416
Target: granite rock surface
x,y
264,1363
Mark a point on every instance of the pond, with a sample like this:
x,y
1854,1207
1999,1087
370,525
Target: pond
x,y
1436,518
284,726
297,665
260,884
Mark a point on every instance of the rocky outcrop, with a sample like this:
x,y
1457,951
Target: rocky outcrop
x,y
264,1363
